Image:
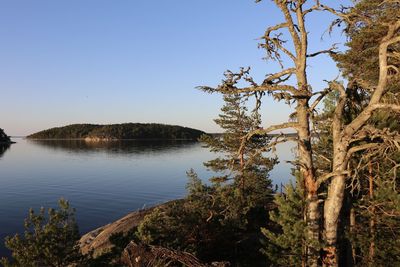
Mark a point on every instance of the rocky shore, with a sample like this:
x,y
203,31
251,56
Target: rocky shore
x,y
100,139
4,139
137,254
98,241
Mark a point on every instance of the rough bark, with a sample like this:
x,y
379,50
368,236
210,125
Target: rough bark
x,y
333,206
307,170
300,41
342,149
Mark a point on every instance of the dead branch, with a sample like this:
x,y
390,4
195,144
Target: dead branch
x,y
271,78
315,7
137,255
321,96
330,51
355,149
290,25
280,139
265,131
274,43
321,179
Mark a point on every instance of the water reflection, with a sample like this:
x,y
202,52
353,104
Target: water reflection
x,y
3,149
103,180
114,147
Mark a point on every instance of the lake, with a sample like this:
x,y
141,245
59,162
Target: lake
x,y
103,181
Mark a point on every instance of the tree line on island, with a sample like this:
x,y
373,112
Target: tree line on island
x,y
342,209
122,131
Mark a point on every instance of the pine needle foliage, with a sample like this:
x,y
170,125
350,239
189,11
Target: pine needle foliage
x,y
221,220
384,210
284,244
49,240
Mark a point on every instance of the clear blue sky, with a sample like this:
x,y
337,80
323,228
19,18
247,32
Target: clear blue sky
x,y
108,61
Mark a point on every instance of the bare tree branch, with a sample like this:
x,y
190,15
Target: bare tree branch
x,y
330,51
392,107
321,96
265,131
315,7
355,149
263,88
282,138
290,25
277,76
321,179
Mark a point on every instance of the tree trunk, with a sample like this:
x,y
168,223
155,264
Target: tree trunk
x,y
312,208
372,219
333,206
313,217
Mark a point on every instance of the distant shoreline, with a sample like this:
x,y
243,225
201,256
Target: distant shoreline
x,y
118,132
137,139
106,139
140,139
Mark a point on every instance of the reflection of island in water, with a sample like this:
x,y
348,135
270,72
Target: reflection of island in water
x,y
114,147
3,148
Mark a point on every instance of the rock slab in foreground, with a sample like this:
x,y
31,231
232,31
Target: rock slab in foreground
x,y
137,255
98,239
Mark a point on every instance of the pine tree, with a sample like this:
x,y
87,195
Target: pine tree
x,y
221,220
50,240
372,44
244,179
285,242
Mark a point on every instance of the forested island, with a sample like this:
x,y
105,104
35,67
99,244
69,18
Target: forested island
x,y
124,131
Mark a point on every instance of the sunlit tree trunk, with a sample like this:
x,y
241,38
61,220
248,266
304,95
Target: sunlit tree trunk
x,y
372,219
344,136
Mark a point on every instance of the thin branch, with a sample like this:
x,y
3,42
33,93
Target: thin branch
x,y
321,179
282,138
394,68
323,157
322,94
290,25
263,88
265,131
275,127
329,51
315,7
355,149
275,28
278,76
338,13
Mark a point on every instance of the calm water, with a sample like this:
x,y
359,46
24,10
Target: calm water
x,y
102,181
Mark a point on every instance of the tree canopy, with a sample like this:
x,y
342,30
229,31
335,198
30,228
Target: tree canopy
x,y
119,132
